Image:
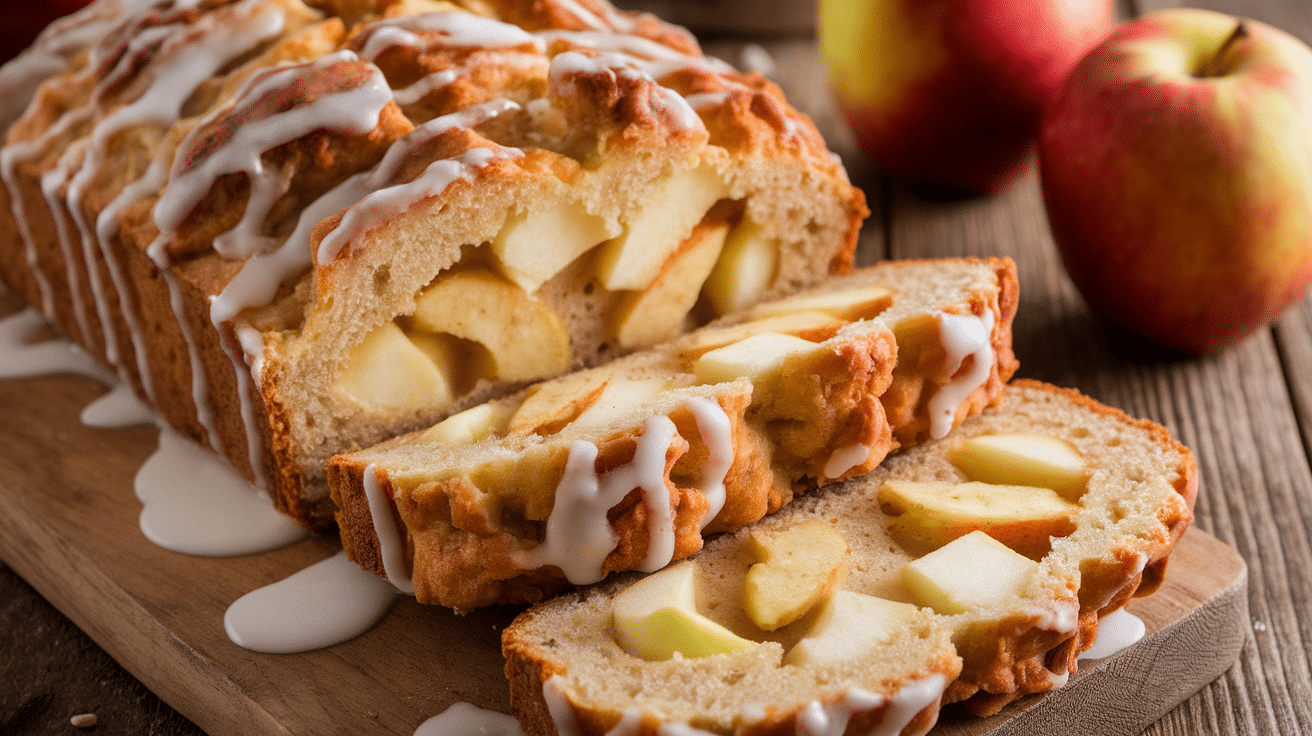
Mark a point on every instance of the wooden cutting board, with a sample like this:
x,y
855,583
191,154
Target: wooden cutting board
x,y
68,524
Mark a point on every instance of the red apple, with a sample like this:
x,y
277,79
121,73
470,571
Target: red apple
x,y
1177,172
950,92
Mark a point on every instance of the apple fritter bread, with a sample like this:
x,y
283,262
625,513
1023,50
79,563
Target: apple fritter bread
x,y
908,620
301,228
629,465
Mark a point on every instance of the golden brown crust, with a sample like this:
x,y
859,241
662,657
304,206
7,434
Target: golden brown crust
x,y
1004,655
126,308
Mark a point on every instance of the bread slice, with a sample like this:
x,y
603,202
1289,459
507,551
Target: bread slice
x,y
569,675
629,465
301,229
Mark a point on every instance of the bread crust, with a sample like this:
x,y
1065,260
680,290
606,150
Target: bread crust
x,y
603,106
996,656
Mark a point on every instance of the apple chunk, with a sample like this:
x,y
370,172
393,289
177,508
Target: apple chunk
x,y
797,569
862,302
551,405
931,514
812,326
387,370
535,245
470,425
850,625
756,357
973,572
746,268
673,206
657,312
657,617
524,336
1023,459
618,397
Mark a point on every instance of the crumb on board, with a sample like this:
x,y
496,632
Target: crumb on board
x,y
83,720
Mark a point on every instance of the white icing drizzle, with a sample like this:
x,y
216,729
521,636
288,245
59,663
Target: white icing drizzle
x,y
578,535
908,701
118,408
717,436
21,357
466,719
189,55
815,719
625,67
613,19
647,471
372,196
1117,631
50,182
1061,616
460,29
50,53
1056,681
962,336
845,459
831,719
327,603
390,547
195,504
350,112
558,706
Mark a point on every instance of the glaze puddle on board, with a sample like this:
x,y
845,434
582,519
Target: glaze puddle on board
x,y
1117,630
466,719
194,504
324,604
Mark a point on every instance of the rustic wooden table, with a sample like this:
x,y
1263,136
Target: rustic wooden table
x,y
1247,413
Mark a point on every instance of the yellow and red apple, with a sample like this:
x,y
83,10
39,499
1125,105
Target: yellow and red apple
x,y
1177,173
950,92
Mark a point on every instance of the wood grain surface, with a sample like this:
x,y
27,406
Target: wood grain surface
x,y
1247,413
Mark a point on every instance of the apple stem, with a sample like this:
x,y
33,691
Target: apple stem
x,y
1216,65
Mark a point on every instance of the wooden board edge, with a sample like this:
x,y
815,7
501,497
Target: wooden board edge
x,y
1123,694
208,703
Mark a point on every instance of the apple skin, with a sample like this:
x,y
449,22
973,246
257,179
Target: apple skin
x,y
1182,206
951,92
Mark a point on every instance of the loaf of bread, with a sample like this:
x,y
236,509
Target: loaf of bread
x,y
298,229
628,465
864,606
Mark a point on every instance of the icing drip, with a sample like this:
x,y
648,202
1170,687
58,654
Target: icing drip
x,y
909,700
351,112
50,182
558,706
118,408
370,196
1117,631
830,719
391,548
625,67
195,504
717,435
465,719
459,29
578,534
845,459
188,55
21,357
963,336
815,719
325,604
